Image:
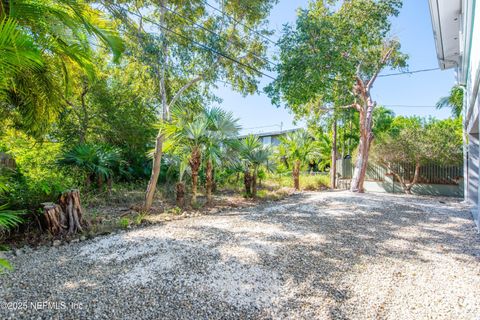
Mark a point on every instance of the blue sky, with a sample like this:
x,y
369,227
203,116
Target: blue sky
x,y
412,27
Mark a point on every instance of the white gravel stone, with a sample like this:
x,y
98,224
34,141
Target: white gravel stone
x,y
330,255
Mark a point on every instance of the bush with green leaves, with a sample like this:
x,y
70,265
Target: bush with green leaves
x,y
9,219
37,178
98,163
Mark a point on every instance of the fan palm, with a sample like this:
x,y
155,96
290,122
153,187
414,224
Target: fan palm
x,y
298,148
254,155
187,137
222,132
98,162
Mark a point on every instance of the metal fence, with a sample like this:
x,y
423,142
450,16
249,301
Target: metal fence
x,y
429,174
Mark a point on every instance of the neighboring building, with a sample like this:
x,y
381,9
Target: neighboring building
x,y
456,28
270,138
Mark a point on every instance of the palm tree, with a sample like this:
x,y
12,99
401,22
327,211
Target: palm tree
x,y
453,101
254,155
220,144
177,160
39,39
187,137
298,148
98,163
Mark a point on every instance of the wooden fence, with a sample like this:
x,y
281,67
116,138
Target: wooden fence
x,y
429,174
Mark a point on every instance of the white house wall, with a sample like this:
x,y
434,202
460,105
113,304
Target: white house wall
x,y
471,76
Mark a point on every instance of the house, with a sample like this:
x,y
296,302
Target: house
x,y
270,138
456,28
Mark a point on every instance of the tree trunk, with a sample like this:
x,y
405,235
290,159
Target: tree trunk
x,y
254,181
109,185
408,187
209,182
214,183
84,121
100,183
88,181
333,169
366,137
296,175
247,181
70,203
195,162
65,217
161,77
362,91
55,218
152,183
180,194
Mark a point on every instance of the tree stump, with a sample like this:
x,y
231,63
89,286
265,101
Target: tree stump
x,y
55,218
180,194
65,217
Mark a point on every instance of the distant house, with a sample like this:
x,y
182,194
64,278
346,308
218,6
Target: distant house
x,y
456,28
270,138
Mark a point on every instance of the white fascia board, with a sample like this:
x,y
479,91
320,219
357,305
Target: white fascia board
x,y
446,19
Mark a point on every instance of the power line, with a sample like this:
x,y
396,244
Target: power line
x,y
236,21
380,104
199,44
214,33
407,72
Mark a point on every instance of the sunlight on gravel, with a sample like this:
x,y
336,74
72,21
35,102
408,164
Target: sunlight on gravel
x,y
315,255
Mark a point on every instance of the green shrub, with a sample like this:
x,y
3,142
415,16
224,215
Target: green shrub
x,y
314,182
37,178
307,182
124,223
9,219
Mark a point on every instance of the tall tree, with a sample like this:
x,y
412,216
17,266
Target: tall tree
x,y
338,48
191,45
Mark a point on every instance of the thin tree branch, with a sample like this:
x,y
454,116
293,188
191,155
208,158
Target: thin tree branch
x,y
183,89
380,67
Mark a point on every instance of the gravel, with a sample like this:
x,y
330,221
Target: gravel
x,y
330,255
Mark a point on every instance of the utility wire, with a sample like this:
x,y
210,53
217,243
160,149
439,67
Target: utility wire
x,y
199,44
407,72
238,22
213,33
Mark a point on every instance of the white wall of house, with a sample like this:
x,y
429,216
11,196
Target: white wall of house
x,y
469,74
456,29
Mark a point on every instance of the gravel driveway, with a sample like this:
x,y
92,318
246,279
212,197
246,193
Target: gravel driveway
x,y
313,256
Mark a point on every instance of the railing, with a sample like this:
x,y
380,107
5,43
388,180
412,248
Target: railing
x,y
429,174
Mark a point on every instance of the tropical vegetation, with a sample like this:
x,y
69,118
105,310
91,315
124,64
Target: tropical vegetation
x,y
116,100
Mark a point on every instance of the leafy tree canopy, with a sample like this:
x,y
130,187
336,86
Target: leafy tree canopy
x,y
329,46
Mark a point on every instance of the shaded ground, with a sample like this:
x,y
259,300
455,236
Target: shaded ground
x,y
315,255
